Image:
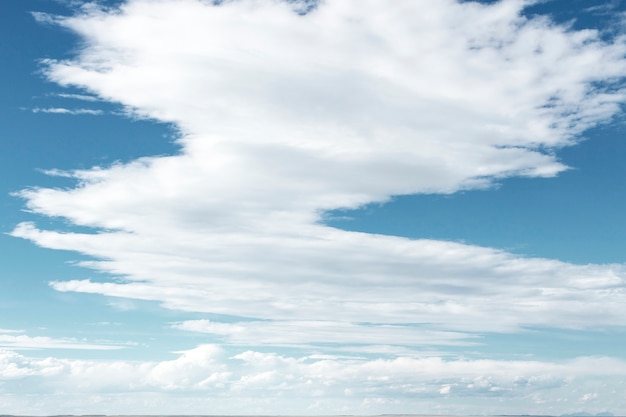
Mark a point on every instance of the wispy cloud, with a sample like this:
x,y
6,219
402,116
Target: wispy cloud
x,y
22,341
321,333
11,331
62,110
83,97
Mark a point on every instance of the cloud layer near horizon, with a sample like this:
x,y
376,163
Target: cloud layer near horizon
x,y
207,377
284,116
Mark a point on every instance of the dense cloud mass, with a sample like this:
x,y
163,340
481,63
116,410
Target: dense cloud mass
x,y
284,116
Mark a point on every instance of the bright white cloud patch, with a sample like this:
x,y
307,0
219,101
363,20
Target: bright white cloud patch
x,y
206,376
284,116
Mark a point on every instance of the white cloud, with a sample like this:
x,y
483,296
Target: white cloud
x,y
83,97
278,132
22,341
330,275
299,333
589,396
285,116
62,110
268,382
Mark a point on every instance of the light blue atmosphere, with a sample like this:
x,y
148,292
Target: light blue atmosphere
x,y
312,208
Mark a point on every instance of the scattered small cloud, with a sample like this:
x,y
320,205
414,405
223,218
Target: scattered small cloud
x,y
62,110
45,18
589,396
83,97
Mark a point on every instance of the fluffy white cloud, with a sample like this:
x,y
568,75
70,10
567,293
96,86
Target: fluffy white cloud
x,y
265,382
284,116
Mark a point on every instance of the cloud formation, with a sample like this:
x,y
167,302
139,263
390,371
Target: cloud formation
x,y
304,333
62,110
284,116
15,340
264,381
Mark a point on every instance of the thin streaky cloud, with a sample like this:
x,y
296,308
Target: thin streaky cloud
x,y
62,110
25,342
82,97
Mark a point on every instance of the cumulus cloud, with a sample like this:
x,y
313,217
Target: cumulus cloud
x,y
267,381
284,116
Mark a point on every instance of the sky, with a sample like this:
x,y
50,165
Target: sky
x,y
312,208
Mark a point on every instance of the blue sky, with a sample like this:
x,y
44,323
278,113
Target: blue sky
x,y
360,209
